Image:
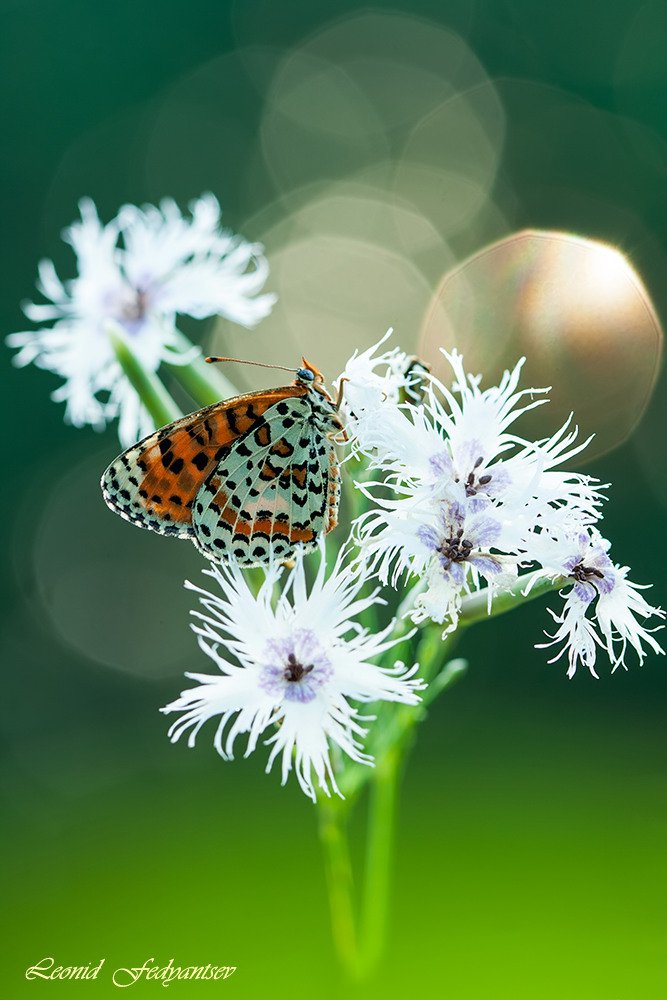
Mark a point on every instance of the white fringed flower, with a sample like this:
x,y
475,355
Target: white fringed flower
x,y
291,666
460,547
462,436
602,608
455,479
373,384
135,276
447,545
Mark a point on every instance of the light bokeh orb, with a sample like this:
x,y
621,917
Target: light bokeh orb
x,y
575,308
335,295
111,593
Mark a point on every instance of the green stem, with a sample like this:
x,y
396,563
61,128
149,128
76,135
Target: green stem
x,y
205,383
390,743
334,840
379,854
398,732
152,393
474,608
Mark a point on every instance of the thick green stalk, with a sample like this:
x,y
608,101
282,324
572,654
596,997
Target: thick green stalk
x,y
379,856
390,742
205,383
334,839
147,385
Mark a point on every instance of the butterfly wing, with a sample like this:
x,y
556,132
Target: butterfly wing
x,y
154,483
274,489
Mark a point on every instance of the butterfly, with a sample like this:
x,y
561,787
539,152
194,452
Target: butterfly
x,y
249,478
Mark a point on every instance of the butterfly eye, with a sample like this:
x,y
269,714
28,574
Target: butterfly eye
x,y
305,375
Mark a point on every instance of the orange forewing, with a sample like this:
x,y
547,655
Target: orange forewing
x,y
175,461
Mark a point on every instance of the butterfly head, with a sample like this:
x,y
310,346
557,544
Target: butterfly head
x,y
310,375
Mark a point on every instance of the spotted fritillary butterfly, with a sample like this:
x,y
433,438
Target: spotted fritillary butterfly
x,y
247,478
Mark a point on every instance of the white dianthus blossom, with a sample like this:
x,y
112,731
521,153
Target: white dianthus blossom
x,y
601,607
291,666
135,275
462,436
370,397
463,501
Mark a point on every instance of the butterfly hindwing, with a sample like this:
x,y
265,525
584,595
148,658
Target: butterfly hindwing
x,y
154,484
275,489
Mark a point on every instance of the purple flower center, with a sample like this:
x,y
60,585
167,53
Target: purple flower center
x,y
295,667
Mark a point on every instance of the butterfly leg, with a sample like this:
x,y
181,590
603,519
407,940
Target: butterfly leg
x,y
339,395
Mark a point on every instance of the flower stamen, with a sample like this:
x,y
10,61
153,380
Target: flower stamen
x,y
456,548
294,670
472,486
583,574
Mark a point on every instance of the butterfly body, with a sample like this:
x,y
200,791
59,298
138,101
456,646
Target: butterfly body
x,y
249,478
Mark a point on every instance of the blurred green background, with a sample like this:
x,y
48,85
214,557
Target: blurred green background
x,y
531,853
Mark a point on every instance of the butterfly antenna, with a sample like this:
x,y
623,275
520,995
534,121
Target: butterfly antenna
x,y
242,361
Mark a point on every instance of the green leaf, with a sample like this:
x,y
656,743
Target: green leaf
x,y
449,675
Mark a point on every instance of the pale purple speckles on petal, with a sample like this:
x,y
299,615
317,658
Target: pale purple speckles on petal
x,y
441,465
478,503
487,565
604,563
273,681
607,583
585,592
453,516
570,563
487,531
456,572
428,537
